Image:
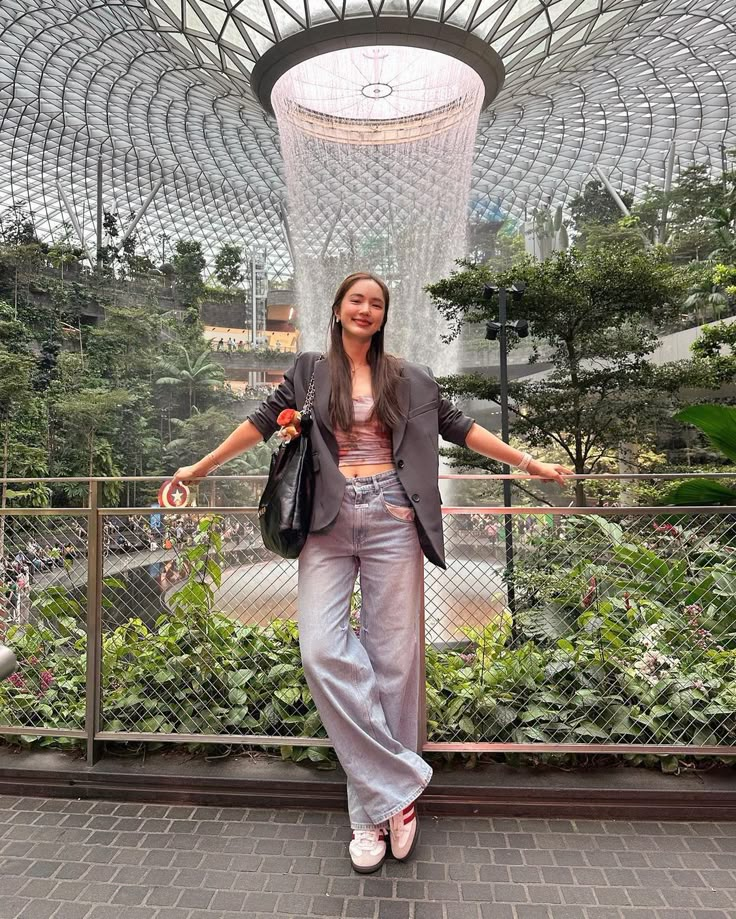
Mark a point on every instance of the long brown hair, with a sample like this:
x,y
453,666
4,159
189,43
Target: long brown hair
x,y
385,368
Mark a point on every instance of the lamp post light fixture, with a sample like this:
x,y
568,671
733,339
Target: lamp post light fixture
x,y
494,331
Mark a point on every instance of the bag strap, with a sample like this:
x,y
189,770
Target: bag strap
x,y
309,398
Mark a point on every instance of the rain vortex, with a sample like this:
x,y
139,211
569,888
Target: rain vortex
x,y
378,148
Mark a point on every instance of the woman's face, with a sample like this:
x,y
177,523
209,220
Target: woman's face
x,y
362,310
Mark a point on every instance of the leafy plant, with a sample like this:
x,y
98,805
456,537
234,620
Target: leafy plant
x,y
718,423
625,636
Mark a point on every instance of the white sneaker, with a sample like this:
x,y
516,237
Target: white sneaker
x,y
404,832
367,850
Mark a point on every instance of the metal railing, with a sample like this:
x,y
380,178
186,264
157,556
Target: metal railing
x,y
608,629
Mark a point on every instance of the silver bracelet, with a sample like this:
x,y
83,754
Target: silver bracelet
x,y
526,458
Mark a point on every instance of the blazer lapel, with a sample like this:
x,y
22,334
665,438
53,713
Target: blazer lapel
x,y
403,392
322,390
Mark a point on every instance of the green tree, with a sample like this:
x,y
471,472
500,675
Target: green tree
x,y
62,254
188,264
22,262
595,312
715,351
594,205
13,333
706,299
494,241
125,347
15,391
17,227
193,373
86,417
723,224
687,218
596,216
229,266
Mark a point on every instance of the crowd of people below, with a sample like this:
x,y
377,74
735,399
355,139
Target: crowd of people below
x,y
236,340
233,345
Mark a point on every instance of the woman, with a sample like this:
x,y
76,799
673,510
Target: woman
x,y
376,512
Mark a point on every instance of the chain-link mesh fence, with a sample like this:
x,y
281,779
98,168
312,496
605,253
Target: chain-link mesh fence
x,y
606,628
592,628
43,610
199,631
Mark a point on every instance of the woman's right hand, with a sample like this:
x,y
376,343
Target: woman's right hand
x,y
186,474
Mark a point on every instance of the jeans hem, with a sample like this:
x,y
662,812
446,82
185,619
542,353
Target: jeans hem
x,y
392,811
369,826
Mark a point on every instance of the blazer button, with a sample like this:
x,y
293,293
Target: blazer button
x,y
400,464
415,497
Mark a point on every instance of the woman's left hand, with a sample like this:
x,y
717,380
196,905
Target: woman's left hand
x,y
549,472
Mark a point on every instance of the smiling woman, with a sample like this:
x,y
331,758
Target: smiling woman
x,y
376,514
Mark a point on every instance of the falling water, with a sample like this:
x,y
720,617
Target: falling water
x,y
378,148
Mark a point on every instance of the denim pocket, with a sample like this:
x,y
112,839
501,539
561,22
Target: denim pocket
x,y
396,503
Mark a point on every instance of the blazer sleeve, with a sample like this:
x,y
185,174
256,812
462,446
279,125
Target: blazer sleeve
x,y
264,417
453,424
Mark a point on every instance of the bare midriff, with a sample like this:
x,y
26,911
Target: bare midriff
x,y
351,472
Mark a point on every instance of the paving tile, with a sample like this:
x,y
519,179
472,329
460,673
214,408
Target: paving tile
x,y
327,906
105,860
72,911
395,909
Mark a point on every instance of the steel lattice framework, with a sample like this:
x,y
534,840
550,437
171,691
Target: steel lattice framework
x,y
161,89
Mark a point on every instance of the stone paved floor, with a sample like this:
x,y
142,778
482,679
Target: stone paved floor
x,y
103,860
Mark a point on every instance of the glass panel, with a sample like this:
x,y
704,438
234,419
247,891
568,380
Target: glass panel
x,y
216,16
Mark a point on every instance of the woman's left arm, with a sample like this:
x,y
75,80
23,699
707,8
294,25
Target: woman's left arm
x,y
487,444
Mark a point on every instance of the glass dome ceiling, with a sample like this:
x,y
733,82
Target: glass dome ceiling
x,y
161,90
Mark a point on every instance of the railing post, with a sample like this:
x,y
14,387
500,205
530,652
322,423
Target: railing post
x,y
423,676
94,624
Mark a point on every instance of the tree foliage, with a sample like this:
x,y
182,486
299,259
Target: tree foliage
x,y
594,205
79,396
594,312
188,263
229,266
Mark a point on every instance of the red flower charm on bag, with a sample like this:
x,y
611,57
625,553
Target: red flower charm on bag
x,y
290,421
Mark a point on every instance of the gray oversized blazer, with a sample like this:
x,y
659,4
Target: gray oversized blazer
x,y
424,416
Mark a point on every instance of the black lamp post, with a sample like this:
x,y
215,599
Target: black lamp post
x,y
496,330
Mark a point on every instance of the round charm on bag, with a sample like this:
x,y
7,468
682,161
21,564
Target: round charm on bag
x,y
173,497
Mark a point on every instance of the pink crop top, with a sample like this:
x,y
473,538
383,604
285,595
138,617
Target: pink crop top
x,y
368,441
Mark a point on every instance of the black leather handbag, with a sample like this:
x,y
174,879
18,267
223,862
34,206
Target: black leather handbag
x,y
285,508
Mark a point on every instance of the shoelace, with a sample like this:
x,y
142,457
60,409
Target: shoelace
x,y
366,839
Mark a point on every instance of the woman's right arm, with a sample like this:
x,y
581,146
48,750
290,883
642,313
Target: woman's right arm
x,y
260,425
245,436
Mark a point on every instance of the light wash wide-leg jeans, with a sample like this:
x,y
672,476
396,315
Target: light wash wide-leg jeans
x,y
369,689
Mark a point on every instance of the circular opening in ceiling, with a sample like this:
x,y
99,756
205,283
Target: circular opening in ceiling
x,y
370,33
377,95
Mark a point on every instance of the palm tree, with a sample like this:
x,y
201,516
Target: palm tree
x,y
723,222
194,373
706,297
